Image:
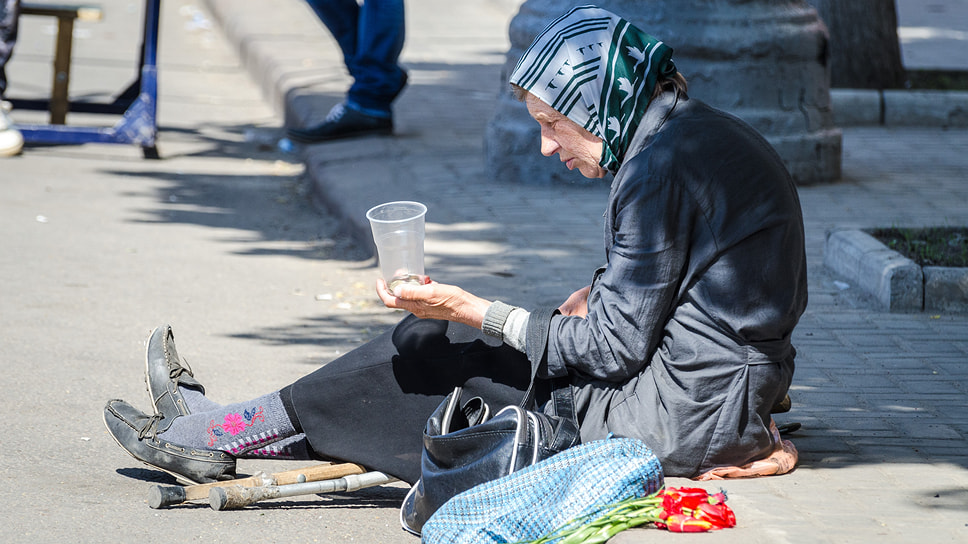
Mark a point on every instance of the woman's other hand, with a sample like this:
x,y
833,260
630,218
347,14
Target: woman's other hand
x,y
577,303
435,301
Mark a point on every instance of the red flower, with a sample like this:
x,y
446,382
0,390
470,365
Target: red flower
x,y
682,523
670,505
679,510
718,497
720,515
692,497
676,498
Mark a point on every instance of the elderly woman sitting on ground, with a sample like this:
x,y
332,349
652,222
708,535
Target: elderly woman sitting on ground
x,y
681,340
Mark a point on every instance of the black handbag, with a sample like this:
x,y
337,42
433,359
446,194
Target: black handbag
x,y
464,447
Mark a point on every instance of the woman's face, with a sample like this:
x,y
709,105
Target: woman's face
x,y
575,146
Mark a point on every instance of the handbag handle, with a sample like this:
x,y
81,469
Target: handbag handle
x,y
562,398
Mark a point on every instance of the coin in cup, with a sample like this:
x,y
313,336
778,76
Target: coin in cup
x,y
398,232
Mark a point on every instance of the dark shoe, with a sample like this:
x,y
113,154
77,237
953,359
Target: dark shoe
x,y
343,122
788,428
783,406
164,371
136,432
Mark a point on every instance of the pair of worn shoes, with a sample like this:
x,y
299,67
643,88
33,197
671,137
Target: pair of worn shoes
x,y
343,122
11,140
141,435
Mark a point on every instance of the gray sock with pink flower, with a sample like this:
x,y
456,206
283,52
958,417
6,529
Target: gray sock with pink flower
x,y
234,428
294,448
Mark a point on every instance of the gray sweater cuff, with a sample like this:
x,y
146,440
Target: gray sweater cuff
x,y
516,329
494,318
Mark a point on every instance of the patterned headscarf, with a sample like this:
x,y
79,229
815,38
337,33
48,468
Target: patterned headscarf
x,y
598,70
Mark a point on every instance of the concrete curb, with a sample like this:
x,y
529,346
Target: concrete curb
x,y
897,283
860,107
946,289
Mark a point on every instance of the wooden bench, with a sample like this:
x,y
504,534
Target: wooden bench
x,y
66,14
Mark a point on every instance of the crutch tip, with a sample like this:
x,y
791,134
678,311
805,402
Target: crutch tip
x,y
217,498
161,497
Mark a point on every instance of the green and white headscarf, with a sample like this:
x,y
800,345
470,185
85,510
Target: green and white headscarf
x,y
598,70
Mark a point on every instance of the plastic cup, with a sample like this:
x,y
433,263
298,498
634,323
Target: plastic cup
x,y
398,232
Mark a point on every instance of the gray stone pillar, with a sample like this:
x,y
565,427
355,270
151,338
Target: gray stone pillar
x,y
765,61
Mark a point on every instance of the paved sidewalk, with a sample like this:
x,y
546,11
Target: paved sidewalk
x,y
933,33
882,397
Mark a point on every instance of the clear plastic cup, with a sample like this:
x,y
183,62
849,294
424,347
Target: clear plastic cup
x,y
398,232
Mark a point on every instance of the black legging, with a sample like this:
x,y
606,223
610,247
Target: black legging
x,y
370,405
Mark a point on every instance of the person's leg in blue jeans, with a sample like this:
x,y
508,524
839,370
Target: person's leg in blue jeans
x,y
11,141
371,37
9,15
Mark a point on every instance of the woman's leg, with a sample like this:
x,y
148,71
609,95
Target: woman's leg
x,y
371,405
368,407
236,429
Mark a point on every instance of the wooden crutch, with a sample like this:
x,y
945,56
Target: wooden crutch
x,y
165,496
237,496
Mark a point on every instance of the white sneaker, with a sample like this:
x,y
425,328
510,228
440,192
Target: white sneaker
x,y
11,141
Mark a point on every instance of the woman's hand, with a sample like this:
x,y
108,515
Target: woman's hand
x,y
577,303
435,301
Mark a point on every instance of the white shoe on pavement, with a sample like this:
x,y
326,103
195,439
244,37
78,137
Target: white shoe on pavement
x,y
11,141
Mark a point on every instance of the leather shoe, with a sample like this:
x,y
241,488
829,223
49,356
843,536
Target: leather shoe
x,y
783,406
343,122
136,432
164,372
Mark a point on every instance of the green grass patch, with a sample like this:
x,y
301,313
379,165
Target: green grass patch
x,y
928,246
939,80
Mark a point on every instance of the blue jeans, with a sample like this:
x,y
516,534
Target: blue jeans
x,y
371,39
9,15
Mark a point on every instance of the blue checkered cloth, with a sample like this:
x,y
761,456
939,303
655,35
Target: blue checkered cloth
x,y
542,498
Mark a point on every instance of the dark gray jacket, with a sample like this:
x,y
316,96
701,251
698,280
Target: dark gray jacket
x,y
686,345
